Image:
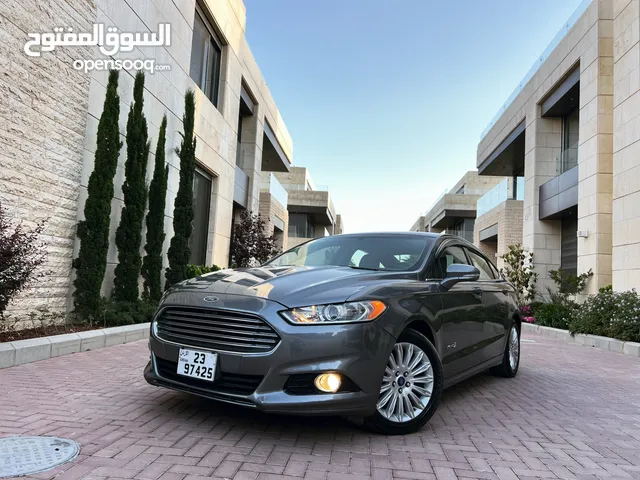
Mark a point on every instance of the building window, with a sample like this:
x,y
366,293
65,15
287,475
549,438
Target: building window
x,y
206,52
570,128
461,190
200,225
300,226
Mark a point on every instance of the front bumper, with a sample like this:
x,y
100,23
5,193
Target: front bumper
x,y
358,351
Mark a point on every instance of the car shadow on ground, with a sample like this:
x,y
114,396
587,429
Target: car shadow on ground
x,y
182,407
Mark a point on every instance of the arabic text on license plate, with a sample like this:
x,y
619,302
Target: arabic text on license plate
x,y
196,364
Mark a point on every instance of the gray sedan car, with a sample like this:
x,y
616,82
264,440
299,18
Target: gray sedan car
x,y
371,326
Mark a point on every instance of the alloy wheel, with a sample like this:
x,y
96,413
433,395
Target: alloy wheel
x,y
407,384
514,348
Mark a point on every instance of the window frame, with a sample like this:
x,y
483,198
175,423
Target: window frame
x,y
492,268
216,41
208,176
441,250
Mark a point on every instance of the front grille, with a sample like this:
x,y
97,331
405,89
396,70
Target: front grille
x,y
222,330
230,383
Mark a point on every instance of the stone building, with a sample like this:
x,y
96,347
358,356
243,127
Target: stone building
x,y
571,131
50,112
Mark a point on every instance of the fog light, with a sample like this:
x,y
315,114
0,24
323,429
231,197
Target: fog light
x,y
328,382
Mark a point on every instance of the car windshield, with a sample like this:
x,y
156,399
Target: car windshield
x,y
371,252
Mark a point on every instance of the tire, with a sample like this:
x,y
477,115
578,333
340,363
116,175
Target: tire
x,y
507,368
430,378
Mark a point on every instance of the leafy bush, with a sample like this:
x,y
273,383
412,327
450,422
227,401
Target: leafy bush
x,y
21,253
518,270
610,314
250,246
197,270
556,315
568,283
117,313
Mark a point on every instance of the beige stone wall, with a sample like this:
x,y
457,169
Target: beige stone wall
x,y
419,225
43,109
508,217
626,147
588,44
270,207
216,127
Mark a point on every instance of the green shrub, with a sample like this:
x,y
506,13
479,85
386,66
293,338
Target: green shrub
x,y
556,315
610,314
117,313
197,270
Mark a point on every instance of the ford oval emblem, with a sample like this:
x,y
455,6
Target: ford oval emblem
x,y
210,299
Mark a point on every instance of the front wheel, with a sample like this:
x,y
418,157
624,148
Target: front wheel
x,y
411,386
511,358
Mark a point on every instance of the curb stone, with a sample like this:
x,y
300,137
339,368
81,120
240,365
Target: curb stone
x,y
36,349
604,343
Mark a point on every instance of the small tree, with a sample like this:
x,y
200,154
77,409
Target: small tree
x,y
152,262
129,233
518,270
569,283
250,245
21,254
93,231
179,251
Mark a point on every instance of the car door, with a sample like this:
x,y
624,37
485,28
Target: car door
x,y
461,317
495,296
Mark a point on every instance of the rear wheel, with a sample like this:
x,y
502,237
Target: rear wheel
x,y
511,358
411,386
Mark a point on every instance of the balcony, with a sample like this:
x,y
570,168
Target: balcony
x,y
270,184
500,193
316,204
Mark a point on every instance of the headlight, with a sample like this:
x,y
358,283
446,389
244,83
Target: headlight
x,y
336,313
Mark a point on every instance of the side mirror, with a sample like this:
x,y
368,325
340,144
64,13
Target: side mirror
x,y
458,272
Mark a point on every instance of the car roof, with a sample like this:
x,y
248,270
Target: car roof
x,y
405,234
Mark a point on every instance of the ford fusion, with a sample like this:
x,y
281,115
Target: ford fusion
x,y
371,326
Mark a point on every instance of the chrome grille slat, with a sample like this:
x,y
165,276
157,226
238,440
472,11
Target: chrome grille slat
x,y
216,335
217,329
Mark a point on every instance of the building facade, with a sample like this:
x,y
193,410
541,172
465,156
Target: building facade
x,y
311,210
571,130
51,111
455,210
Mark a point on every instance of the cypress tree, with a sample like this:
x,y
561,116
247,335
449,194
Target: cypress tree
x,y
179,251
152,262
93,232
129,233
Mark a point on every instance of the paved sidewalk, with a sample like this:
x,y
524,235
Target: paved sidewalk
x,y
572,412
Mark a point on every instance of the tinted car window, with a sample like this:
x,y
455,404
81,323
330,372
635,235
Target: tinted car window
x,y
486,272
448,257
379,252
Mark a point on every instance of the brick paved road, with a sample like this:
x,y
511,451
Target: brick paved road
x,y
572,412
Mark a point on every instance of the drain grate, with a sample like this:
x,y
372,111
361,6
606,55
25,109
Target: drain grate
x,y
27,455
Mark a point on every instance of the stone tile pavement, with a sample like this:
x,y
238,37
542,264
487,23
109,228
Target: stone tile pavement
x,y
573,412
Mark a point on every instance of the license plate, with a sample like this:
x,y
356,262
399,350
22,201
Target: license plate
x,y
197,364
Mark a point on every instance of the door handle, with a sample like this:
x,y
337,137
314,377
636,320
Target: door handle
x,y
477,292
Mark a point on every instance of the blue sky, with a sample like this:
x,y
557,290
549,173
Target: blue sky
x,y
386,100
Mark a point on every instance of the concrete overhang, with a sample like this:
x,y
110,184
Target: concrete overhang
x,y
451,209
507,160
564,98
559,195
489,234
316,204
273,157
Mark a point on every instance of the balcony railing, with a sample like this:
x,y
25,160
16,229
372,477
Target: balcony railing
x,y
554,43
500,193
272,185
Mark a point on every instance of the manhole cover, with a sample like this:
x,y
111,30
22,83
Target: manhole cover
x,y
27,455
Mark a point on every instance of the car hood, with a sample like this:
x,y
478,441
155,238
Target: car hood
x,y
289,286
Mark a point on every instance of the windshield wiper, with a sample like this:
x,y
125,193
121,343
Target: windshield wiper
x,y
363,268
